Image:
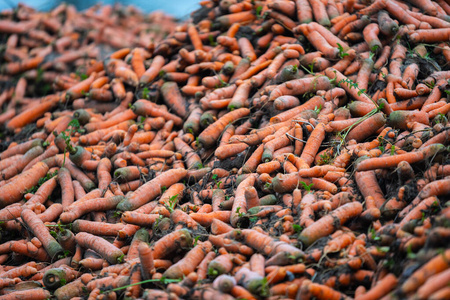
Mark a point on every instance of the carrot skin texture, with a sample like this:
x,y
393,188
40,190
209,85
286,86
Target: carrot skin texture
x,y
107,250
151,189
38,228
210,135
13,191
325,225
392,161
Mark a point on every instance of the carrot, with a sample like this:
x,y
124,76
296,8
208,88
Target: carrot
x,y
287,115
29,115
440,294
192,123
13,191
276,143
344,83
151,189
354,26
14,68
67,192
312,145
429,35
433,283
21,148
173,98
252,281
435,265
147,108
177,239
320,291
224,283
403,16
189,262
332,9
383,56
118,89
194,37
37,227
239,17
24,160
57,277
251,71
116,119
208,136
246,49
33,293
319,12
392,161
288,182
426,6
108,251
230,245
416,212
239,204
304,11
240,292
318,41
326,225
340,24
205,219
267,245
240,96
364,74
79,208
97,228
366,128
152,72
332,39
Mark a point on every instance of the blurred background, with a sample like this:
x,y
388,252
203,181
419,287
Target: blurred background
x,y
177,8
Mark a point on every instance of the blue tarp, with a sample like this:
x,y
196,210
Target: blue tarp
x,y
177,8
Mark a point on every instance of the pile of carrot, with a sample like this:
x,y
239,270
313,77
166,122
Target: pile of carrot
x,y
261,150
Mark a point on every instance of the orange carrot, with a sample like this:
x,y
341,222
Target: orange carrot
x,y
433,283
436,265
189,262
108,251
319,12
67,192
268,246
392,161
368,185
79,208
246,49
403,16
29,115
326,225
152,72
287,115
239,204
205,219
208,136
320,291
177,239
151,189
416,212
147,108
13,191
304,11
366,128
343,82
38,228
312,145
97,228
